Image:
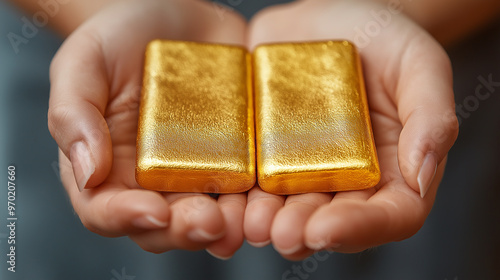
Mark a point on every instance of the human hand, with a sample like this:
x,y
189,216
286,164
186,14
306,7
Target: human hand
x,y
409,87
95,92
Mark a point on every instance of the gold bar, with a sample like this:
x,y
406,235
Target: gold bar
x,y
196,123
313,126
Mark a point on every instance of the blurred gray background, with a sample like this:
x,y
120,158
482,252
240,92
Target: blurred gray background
x,y
459,240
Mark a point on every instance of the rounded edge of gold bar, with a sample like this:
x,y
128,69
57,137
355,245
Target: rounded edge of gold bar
x,y
154,42
324,181
333,41
199,182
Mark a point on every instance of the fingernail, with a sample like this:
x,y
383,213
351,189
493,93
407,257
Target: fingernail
x,y
320,245
83,165
217,256
149,222
315,246
333,247
259,244
426,173
289,251
199,235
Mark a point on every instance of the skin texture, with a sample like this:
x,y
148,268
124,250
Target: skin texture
x,y
95,86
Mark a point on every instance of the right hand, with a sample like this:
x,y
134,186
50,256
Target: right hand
x,y
95,91
410,93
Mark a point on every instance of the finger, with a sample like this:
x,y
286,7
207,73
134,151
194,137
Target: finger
x,y
115,210
196,221
352,225
259,214
78,98
426,108
287,232
232,207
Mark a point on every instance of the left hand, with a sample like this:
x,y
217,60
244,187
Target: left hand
x,y
94,106
409,86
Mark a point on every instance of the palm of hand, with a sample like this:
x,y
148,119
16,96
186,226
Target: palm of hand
x,y
350,221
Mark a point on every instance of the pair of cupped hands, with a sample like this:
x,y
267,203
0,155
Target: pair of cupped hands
x,y
95,94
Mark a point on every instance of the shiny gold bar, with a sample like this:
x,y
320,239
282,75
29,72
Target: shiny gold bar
x,y
312,121
196,124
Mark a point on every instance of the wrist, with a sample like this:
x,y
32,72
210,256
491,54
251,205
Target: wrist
x,y
64,16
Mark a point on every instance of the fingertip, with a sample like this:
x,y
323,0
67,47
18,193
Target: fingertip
x,y
340,224
83,164
201,235
137,209
296,255
197,218
215,255
318,234
83,136
259,215
424,143
287,231
195,223
427,173
259,244
233,208
148,221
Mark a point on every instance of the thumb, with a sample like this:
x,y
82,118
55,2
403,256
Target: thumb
x,y
78,98
427,111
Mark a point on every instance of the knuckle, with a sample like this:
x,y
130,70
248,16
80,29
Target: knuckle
x,y
57,116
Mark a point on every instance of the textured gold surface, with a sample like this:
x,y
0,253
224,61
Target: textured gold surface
x,y
312,122
196,124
